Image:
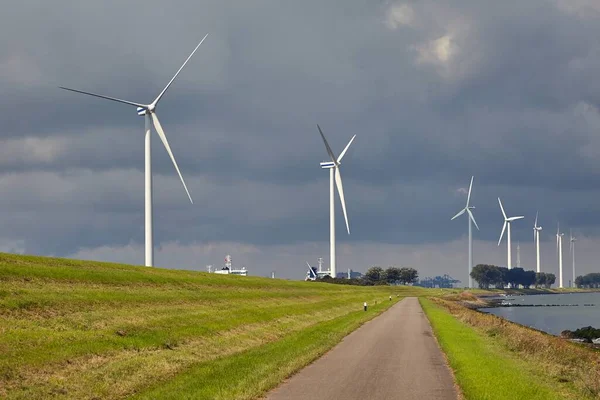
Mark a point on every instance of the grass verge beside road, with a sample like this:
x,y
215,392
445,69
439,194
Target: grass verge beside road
x,y
495,359
84,330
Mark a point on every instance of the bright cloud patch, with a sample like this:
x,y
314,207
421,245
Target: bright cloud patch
x,y
398,15
438,51
31,150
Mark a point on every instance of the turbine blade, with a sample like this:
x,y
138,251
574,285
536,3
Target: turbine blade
x,y
308,264
461,212
177,73
340,188
502,234
163,137
131,103
536,217
329,151
472,218
515,218
339,160
534,232
502,208
470,187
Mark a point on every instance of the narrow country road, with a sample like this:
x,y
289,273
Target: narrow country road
x,y
394,356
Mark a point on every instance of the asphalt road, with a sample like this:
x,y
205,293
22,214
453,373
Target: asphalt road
x,y
394,356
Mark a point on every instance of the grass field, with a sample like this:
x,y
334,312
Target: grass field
x,y
85,330
495,359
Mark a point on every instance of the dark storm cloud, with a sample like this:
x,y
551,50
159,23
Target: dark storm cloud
x,y
435,91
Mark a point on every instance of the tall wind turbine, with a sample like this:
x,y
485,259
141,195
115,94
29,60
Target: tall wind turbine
x,y
507,222
468,209
536,239
559,237
572,249
148,111
334,175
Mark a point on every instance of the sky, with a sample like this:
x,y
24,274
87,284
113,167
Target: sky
x,y
436,91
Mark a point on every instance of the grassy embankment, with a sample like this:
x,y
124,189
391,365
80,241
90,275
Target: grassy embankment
x,y
77,329
496,359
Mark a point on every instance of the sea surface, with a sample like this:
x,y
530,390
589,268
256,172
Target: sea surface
x,y
552,319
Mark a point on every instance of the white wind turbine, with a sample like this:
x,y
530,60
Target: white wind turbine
x,y
572,249
149,113
536,239
559,237
468,209
334,175
507,221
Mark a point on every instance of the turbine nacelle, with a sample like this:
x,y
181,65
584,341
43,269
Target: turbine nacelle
x,y
467,208
335,165
507,221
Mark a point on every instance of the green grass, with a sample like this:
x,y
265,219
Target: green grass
x,y
249,374
482,367
82,329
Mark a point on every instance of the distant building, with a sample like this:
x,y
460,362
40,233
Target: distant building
x,y
445,281
229,270
349,275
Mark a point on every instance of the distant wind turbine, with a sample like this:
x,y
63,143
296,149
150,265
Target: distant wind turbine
x,y
334,175
468,209
572,249
559,237
507,222
536,240
311,275
148,111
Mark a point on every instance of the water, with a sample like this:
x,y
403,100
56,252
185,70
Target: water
x,y
552,319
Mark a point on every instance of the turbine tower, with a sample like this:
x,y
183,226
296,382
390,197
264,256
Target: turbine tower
x,y
536,240
468,209
507,222
518,255
559,237
148,111
572,249
334,175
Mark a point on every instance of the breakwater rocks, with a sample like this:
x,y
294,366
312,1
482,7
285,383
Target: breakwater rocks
x,y
586,334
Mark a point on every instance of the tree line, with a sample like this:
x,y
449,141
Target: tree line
x,y
588,281
392,275
378,276
499,277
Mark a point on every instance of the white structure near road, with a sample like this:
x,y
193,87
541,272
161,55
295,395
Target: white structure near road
x,y
507,222
334,175
148,111
468,209
229,270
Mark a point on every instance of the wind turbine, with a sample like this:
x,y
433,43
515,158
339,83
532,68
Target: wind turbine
x,y
468,209
559,237
334,174
507,221
311,275
572,249
148,111
536,240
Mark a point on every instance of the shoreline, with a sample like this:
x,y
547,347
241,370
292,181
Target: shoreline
x,y
544,366
486,301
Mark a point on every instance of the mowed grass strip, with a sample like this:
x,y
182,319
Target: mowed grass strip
x,y
77,329
250,374
486,368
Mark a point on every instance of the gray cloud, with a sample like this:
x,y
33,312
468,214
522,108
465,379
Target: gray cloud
x,y
435,91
